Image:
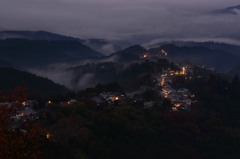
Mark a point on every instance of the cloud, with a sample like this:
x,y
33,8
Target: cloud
x,y
67,78
121,19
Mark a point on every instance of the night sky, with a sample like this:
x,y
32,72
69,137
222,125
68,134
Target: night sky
x,y
123,19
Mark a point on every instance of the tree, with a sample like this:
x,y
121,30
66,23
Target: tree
x,y
235,87
20,143
19,94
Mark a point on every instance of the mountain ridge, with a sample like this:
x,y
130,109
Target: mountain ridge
x,y
12,78
223,61
26,53
232,10
34,35
100,45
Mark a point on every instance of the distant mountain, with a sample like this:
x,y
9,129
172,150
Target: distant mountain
x,y
233,49
12,78
210,54
34,35
101,45
129,54
38,53
223,61
129,75
233,10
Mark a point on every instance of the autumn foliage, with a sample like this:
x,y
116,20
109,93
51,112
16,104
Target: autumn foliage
x,y
22,142
17,94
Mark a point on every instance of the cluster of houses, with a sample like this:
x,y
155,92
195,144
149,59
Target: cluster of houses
x,y
112,98
109,97
208,68
62,103
21,112
158,54
180,98
25,111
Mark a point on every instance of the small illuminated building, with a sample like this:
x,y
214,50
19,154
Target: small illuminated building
x,y
72,101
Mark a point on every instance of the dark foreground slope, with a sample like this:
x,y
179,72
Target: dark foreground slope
x,y
12,78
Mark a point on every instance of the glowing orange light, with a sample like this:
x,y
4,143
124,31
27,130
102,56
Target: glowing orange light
x,y
177,105
184,70
48,135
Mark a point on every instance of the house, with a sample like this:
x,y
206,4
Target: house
x,y
98,99
25,113
72,101
148,104
30,103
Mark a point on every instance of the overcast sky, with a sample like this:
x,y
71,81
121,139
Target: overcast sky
x,y
122,19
